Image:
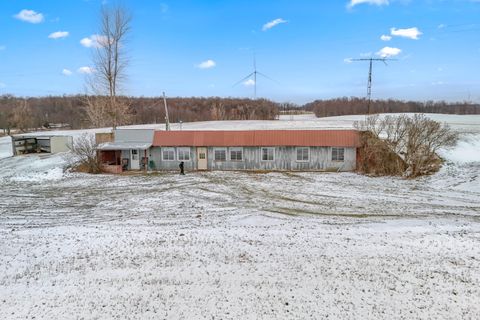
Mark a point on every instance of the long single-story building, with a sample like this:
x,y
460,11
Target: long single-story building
x,y
289,150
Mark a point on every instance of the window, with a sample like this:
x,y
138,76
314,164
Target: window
x,y
220,154
303,154
134,154
236,154
268,154
168,154
183,154
338,154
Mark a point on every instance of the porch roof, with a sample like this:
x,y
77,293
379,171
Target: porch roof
x,y
123,146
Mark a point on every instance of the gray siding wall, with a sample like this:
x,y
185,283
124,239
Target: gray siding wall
x,y
320,158
134,135
160,164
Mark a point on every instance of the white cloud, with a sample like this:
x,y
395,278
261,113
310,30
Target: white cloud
x,y
347,60
411,33
385,37
389,52
249,83
94,41
29,16
86,42
375,2
273,23
67,72
85,70
206,64
58,35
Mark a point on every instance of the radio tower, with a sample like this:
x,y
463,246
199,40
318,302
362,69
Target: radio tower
x,y
369,86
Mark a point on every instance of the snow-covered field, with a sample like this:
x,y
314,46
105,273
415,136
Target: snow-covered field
x,y
233,245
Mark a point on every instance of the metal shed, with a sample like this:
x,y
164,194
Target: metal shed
x,y
31,143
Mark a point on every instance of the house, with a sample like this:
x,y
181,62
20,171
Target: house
x,y
291,150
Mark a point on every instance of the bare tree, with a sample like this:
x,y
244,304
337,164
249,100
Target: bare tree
x,y
84,155
416,140
425,138
96,108
110,62
22,117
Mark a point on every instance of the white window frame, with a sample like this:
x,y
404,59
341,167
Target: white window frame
x,y
168,149
183,150
308,154
267,148
337,149
215,154
237,149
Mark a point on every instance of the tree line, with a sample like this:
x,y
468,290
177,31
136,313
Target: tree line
x,y
72,111
351,106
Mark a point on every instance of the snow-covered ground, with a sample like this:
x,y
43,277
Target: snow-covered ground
x,y
233,245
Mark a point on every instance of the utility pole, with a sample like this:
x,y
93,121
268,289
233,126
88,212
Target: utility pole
x,y
369,85
167,120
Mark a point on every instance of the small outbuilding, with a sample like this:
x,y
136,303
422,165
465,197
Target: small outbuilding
x,y
32,143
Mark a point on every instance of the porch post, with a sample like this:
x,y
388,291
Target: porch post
x,y
146,160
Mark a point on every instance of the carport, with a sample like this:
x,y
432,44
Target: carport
x,y
31,143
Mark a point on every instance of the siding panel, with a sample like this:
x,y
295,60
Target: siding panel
x,y
285,160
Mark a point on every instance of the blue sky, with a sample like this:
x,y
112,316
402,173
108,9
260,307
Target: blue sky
x,y
201,48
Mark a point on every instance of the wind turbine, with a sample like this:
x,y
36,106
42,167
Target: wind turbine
x,y
254,76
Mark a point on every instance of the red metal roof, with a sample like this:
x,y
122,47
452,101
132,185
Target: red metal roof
x,y
257,138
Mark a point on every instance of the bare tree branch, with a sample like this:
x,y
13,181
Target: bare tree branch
x,y
415,139
110,63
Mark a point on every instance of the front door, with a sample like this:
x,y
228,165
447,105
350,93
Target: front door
x,y
134,160
202,158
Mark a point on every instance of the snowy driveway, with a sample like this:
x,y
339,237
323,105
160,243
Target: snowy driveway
x,y
239,245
